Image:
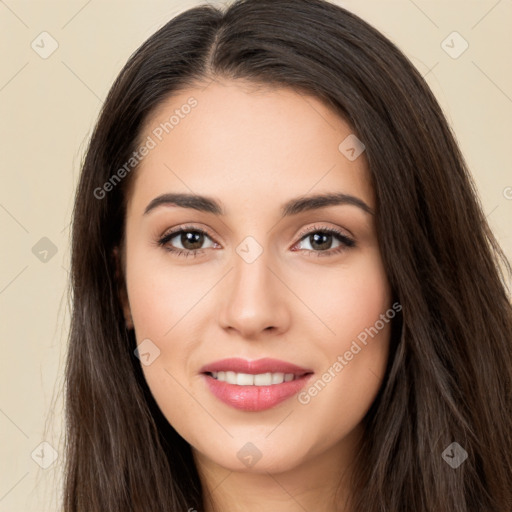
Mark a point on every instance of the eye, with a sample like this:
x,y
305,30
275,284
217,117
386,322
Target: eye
x,y
320,241
185,241
189,241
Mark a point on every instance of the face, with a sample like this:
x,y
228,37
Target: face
x,y
293,288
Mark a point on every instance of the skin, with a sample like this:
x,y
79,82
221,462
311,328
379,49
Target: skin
x,y
252,150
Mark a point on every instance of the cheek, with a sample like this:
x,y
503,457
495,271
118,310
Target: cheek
x,y
159,294
160,303
347,299
163,301
355,345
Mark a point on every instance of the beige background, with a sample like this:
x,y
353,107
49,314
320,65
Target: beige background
x,y
47,110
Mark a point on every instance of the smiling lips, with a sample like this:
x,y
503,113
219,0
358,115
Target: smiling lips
x,y
254,385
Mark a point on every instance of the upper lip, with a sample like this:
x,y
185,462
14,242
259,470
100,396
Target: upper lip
x,y
258,366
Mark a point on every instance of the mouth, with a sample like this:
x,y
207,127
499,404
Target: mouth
x,y
259,379
254,385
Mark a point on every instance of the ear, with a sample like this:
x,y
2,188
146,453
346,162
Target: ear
x,y
122,294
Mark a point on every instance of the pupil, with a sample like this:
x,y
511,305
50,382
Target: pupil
x,y
192,240
322,241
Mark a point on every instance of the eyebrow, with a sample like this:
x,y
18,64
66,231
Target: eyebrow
x,y
291,207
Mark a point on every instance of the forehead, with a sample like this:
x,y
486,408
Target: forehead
x,y
240,142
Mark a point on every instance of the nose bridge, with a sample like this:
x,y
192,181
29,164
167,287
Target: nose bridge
x,y
251,272
253,300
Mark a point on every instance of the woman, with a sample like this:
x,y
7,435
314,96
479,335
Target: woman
x,y
286,295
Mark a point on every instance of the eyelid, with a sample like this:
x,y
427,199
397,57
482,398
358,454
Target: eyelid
x,y
186,227
348,241
318,227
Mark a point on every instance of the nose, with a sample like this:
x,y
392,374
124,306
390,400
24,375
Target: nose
x,y
253,299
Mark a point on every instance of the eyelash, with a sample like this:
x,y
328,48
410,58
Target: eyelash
x,y
346,242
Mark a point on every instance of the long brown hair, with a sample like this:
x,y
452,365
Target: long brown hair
x,y
449,376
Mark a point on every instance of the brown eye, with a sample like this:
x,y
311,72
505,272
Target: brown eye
x,y
186,241
321,241
191,240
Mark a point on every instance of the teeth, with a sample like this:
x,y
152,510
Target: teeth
x,y
230,377
247,379
277,378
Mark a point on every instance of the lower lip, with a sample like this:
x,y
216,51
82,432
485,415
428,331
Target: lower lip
x,y
255,398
